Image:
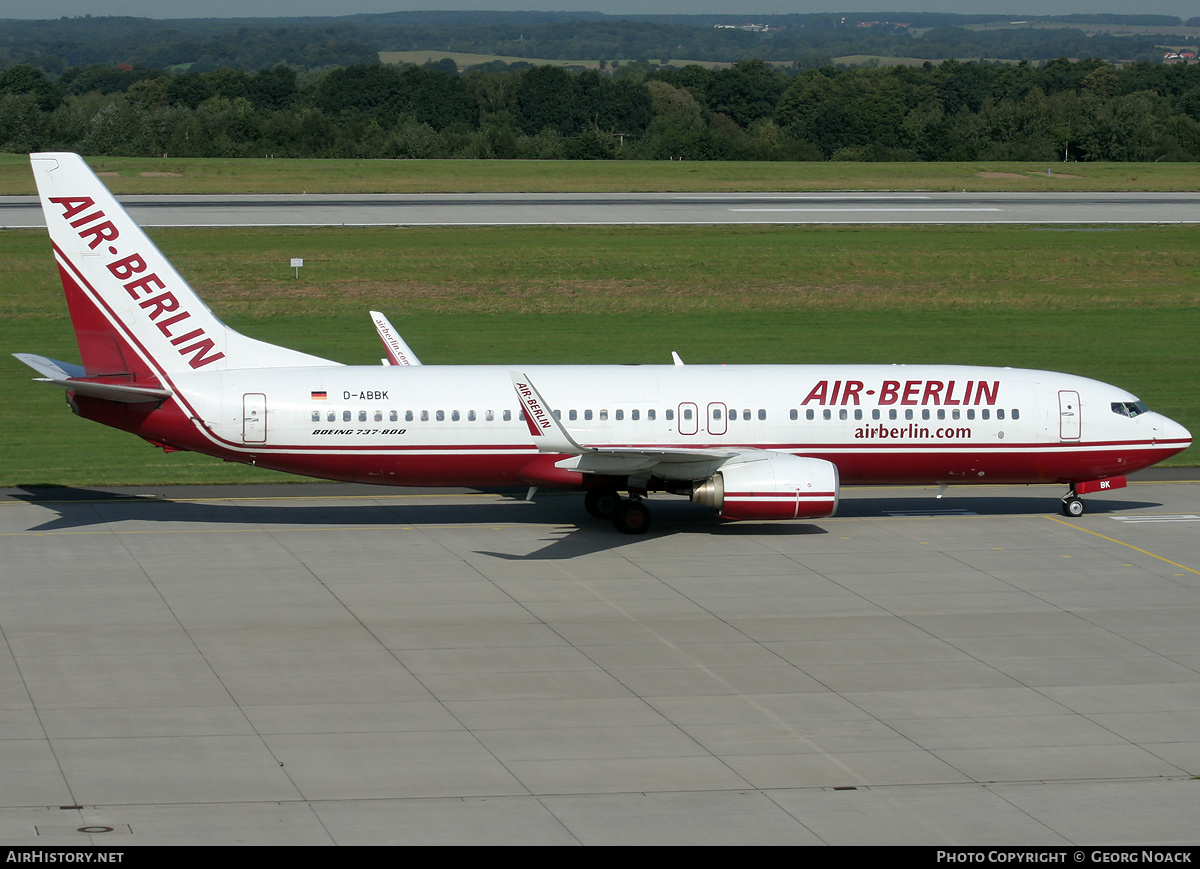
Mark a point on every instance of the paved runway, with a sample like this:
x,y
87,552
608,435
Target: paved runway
x,y
645,208
313,664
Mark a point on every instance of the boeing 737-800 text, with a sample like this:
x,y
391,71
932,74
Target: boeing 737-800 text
x,y
753,442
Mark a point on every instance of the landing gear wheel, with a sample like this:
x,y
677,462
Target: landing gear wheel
x,y
1072,507
602,503
632,517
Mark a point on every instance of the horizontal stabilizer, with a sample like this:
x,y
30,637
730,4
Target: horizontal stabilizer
x,y
51,369
73,377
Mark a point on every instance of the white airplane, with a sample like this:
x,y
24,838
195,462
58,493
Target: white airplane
x,y
753,442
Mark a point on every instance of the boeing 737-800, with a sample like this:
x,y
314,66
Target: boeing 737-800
x,y
753,442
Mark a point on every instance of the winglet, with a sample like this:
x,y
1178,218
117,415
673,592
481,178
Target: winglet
x,y
397,351
547,431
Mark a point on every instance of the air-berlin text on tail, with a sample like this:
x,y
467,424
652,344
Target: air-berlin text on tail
x,y
162,307
917,392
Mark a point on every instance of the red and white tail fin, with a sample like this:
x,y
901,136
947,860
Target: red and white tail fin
x,y
134,315
398,353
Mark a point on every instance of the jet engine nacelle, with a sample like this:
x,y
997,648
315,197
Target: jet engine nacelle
x,y
770,485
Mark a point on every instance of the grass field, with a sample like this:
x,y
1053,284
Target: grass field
x,y
139,175
1121,306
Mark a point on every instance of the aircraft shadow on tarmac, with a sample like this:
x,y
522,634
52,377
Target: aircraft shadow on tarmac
x,y
982,505
572,531
579,535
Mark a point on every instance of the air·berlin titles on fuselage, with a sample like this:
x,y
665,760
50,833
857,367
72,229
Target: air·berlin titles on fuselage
x,y
910,392
95,229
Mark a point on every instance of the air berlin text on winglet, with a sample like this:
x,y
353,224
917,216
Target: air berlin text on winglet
x,y
912,392
537,414
95,229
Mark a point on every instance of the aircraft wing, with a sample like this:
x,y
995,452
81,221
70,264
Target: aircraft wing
x,y
74,378
670,464
552,437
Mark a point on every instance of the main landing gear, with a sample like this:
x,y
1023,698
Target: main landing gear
x,y
1072,504
628,515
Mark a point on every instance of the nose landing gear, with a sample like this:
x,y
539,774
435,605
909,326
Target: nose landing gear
x,y
1072,504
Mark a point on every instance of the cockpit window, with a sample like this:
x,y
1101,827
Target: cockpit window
x,y
1130,408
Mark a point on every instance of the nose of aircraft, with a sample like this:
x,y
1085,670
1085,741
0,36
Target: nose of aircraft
x,y
1173,431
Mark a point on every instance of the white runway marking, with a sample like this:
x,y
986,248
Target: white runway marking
x,y
1180,517
920,209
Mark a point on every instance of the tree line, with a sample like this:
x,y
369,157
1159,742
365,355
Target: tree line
x,y
208,44
752,110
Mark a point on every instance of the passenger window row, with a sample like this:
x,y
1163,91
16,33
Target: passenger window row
x,y
573,415
910,413
636,414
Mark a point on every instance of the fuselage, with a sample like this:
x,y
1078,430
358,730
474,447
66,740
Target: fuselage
x,y
462,425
